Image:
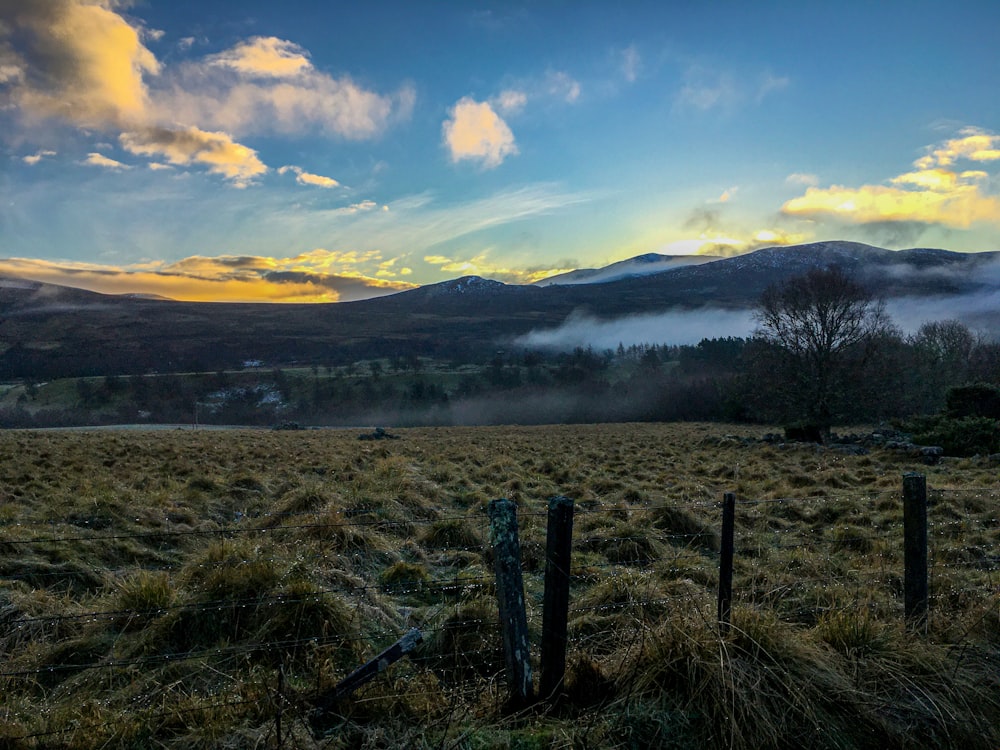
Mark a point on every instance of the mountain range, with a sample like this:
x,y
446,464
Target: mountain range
x,y
49,331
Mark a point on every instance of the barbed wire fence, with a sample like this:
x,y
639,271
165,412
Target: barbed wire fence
x,y
271,648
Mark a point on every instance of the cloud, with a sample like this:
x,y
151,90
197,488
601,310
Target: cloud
x,y
481,265
308,178
186,146
87,64
802,178
316,276
36,157
934,193
770,82
672,327
267,57
563,86
268,86
958,208
82,62
630,63
510,101
705,88
478,133
974,144
98,160
713,242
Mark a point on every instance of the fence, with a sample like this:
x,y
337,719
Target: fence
x,y
262,633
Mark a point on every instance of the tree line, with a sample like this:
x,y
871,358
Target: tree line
x,y
825,353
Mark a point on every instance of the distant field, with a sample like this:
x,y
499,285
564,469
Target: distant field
x,y
155,584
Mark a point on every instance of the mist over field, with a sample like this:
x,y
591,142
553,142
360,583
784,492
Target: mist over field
x,y
672,327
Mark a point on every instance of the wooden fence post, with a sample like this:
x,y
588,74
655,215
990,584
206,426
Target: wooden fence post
x,y
726,553
555,611
510,598
915,551
368,671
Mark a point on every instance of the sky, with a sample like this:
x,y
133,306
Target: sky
x,y
319,152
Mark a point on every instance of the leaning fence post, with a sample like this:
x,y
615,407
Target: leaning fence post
x,y
915,551
555,610
726,550
510,598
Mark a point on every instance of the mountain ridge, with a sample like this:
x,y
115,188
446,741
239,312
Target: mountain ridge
x,y
50,331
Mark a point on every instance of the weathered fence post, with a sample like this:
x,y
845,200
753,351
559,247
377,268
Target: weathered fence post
x,y
368,671
915,551
726,553
555,610
510,598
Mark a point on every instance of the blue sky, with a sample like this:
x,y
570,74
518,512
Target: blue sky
x,y
308,151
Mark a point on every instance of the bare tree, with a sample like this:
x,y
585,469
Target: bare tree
x,y
819,333
943,353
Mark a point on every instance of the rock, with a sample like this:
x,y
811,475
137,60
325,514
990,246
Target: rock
x,y
849,449
931,454
380,433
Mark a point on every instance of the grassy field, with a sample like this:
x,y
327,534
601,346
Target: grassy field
x,y
198,589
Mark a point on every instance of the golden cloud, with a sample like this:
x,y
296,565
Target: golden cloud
x,y
958,207
84,63
99,160
202,279
480,265
716,243
184,146
88,63
934,193
264,56
974,144
476,132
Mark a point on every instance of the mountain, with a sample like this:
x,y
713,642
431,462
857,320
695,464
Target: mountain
x,y
640,265
48,331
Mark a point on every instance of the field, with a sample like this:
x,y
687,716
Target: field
x,y
197,589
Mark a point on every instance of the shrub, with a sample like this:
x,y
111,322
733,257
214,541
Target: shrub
x,y
967,436
975,400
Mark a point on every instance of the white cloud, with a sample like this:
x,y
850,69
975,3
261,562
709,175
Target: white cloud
x,y
267,57
98,160
802,178
769,83
631,63
510,101
477,133
311,101
33,159
308,178
706,88
563,86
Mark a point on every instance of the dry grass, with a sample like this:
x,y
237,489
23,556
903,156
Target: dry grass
x,y
153,585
